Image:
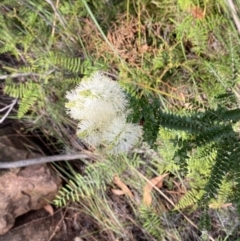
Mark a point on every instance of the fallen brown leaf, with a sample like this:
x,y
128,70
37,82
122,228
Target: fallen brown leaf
x,y
122,186
158,182
49,209
118,192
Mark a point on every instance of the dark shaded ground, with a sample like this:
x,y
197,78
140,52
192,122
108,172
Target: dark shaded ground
x,y
39,226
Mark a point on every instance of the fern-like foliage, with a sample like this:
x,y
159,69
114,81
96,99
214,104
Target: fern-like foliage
x,y
30,94
39,69
95,184
199,20
208,154
95,179
151,221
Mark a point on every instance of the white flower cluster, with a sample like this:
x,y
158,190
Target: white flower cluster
x,y
101,107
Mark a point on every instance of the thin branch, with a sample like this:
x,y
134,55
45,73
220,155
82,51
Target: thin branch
x,y
7,113
17,75
42,160
56,12
234,13
54,21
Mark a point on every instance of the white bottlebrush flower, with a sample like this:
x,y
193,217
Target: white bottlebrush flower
x,y
98,87
101,107
89,133
99,112
120,136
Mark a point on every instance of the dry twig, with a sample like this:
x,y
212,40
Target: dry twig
x,y
9,107
42,160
